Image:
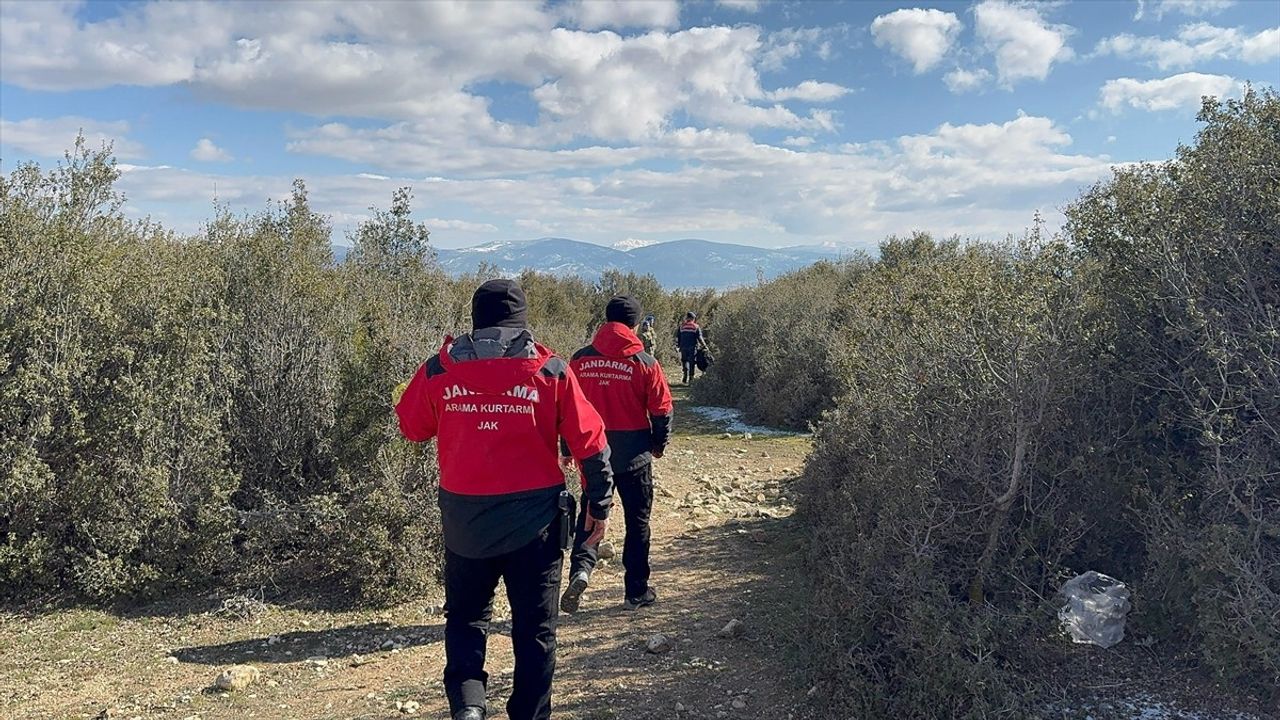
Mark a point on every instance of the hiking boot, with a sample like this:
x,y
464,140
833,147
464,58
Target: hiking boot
x,y
470,712
648,598
572,596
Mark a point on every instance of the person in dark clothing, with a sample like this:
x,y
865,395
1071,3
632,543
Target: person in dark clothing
x,y
627,386
497,402
689,339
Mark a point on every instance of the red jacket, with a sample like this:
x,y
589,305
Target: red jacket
x,y
498,420
628,388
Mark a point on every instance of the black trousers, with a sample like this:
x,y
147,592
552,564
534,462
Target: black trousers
x,y
687,363
635,489
532,577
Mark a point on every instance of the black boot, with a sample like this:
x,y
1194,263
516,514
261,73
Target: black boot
x,y
470,712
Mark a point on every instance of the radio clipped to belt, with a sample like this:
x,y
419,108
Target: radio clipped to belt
x,y
568,511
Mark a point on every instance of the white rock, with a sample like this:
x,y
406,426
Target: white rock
x,y
408,707
606,550
658,643
318,660
237,677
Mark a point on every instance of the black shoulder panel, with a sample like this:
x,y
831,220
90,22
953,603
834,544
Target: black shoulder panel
x,y
434,367
588,351
555,367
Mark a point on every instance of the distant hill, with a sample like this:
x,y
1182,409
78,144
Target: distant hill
x,y
676,264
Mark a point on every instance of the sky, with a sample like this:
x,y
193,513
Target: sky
x,y
764,123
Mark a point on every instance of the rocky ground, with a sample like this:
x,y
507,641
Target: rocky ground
x,y
721,642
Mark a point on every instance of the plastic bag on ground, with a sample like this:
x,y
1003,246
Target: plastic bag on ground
x,y
1095,609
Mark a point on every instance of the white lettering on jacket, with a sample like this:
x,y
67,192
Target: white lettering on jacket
x,y
520,391
617,365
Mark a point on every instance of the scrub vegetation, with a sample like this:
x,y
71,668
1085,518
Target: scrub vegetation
x,y
211,411
993,419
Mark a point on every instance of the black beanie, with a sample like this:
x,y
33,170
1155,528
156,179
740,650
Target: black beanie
x,y
499,303
624,309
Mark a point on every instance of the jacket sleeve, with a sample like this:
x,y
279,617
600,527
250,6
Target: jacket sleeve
x,y
415,410
582,430
658,402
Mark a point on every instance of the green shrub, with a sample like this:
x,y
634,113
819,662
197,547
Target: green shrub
x,y
1189,270
773,346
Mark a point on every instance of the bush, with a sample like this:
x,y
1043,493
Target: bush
x,y
216,410
773,346
1001,417
939,512
1189,270
170,405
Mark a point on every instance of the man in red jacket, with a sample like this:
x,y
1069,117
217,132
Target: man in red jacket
x,y
629,389
497,402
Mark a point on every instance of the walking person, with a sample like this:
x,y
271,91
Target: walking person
x,y
627,385
498,403
689,340
648,336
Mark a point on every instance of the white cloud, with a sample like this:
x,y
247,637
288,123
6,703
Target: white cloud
x,y
599,14
1261,47
1195,43
743,5
810,91
968,179
206,151
1024,44
1181,91
51,137
598,85
920,36
790,43
463,225
961,80
1185,7
801,141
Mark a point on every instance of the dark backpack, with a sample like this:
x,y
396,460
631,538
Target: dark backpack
x,y
703,359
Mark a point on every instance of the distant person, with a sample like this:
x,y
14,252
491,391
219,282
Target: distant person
x,y
498,402
689,340
648,336
627,386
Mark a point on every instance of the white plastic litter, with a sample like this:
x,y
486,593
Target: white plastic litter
x,y
1095,609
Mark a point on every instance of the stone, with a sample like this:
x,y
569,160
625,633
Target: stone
x,y
318,660
606,550
732,629
739,704
658,644
237,677
407,707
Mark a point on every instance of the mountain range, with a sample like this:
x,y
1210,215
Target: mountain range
x,y
676,264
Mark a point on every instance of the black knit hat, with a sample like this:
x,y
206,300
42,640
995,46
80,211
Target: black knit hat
x,y
624,309
499,303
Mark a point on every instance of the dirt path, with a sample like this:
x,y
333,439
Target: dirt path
x,y
724,549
